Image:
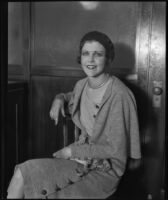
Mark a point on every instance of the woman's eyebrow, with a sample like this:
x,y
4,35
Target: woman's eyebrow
x,y
93,51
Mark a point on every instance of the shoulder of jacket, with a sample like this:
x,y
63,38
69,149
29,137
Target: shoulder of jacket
x,y
123,92
120,88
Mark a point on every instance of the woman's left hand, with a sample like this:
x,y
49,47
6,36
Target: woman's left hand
x,y
63,153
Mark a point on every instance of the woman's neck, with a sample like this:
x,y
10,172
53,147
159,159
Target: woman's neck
x,y
97,82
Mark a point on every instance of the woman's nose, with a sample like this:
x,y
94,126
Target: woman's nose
x,y
91,57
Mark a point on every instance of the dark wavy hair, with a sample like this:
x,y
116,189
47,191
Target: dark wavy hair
x,y
102,39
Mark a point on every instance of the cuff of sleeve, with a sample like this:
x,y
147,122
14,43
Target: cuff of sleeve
x,y
77,151
60,96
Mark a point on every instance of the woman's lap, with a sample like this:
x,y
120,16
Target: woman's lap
x,y
58,178
95,184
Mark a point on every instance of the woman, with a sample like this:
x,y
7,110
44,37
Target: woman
x,y
105,111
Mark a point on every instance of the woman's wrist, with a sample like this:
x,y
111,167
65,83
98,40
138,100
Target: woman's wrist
x,y
60,96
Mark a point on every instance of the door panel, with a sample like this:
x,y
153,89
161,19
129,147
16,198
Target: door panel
x,y
18,40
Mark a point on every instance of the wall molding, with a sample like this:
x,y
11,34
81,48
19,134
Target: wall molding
x,y
15,70
56,71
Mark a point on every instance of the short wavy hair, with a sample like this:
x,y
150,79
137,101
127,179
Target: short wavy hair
x,y
102,39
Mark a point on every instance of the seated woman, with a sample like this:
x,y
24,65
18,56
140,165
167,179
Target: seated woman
x,y
105,111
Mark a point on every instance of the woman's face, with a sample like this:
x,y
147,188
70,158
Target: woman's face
x,y
93,58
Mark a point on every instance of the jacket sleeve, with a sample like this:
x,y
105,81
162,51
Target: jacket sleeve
x,y
68,98
64,96
122,135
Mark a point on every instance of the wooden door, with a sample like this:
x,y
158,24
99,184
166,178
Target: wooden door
x,y
152,55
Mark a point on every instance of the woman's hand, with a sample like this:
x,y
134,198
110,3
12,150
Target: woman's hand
x,y
63,153
56,108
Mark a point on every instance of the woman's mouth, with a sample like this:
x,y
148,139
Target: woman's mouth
x,y
91,67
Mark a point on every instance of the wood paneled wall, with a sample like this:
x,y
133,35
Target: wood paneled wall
x,y
18,41
58,27
46,138
49,48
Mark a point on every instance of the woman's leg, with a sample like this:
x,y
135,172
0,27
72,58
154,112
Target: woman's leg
x,y
38,178
94,185
15,189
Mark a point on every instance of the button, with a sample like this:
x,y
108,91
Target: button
x,y
44,192
57,188
70,182
94,116
97,106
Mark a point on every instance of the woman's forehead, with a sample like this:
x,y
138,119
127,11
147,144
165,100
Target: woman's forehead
x,y
93,45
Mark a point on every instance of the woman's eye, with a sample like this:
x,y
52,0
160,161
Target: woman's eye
x,y
96,53
85,53
99,54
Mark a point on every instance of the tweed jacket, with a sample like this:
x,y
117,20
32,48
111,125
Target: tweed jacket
x,y
116,131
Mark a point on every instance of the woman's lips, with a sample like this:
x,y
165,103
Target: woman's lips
x,y
91,66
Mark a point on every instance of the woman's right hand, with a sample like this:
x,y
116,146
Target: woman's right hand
x,y
56,108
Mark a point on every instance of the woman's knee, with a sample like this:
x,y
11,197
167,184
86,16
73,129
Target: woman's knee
x,y
18,173
15,189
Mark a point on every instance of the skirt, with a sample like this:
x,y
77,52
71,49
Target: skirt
x,y
55,178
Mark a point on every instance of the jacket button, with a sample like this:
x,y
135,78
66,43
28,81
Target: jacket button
x,y
44,192
58,189
70,182
94,116
97,106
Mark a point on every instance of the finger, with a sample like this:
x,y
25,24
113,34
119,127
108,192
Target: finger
x,y
51,114
56,121
54,154
57,154
63,111
56,117
55,114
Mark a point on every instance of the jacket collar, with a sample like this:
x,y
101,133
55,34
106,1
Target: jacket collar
x,y
79,91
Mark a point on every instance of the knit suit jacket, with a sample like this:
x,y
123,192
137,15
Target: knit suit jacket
x,y
116,130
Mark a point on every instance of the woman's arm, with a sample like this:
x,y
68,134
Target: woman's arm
x,y
58,105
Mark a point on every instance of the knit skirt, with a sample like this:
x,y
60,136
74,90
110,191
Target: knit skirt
x,y
54,178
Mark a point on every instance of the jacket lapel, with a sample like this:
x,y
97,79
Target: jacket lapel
x,y
108,91
76,102
97,128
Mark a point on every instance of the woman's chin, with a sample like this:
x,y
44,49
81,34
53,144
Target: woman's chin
x,y
90,74
93,75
